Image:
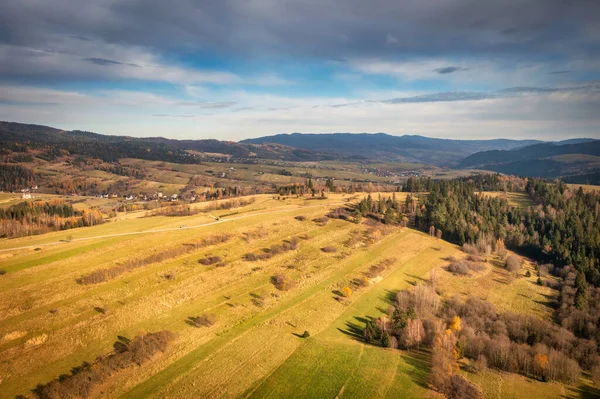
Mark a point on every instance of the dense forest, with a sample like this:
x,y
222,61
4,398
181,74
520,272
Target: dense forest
x,y
37,217
15,177
564,228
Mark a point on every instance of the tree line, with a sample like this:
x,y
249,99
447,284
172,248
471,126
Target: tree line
x,y
37,217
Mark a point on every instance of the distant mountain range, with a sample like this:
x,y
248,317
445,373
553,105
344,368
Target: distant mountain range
x,y
384,147
111,148
575,160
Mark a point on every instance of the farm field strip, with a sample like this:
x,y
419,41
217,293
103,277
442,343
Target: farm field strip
x,y
162,230
337,338
92,351
307,302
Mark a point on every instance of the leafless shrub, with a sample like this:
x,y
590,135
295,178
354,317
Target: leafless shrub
x,y
458,387
458,267
282,282
422,298
209,260
340,213
273,250
168,276
85,378
513,264
322,221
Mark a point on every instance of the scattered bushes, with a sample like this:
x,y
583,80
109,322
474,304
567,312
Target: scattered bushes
x,y
100,276
518,343
210,240
463,267
341,213
85,378
268,253
377,269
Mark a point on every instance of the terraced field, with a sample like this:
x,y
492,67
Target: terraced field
x,y
252,347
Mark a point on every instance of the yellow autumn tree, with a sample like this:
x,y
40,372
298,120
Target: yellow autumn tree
x,y
455,324
347,292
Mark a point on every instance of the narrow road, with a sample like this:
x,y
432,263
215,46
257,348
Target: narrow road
x,y
217,221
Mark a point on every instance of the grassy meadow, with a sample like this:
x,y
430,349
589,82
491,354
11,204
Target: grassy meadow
x,y
252,347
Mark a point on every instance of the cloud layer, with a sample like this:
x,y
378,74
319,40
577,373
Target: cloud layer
x,y
233,69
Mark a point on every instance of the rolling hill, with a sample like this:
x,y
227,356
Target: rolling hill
x,y
576,161
111,148
391,148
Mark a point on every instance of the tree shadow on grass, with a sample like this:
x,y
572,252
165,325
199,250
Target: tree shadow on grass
x,y
355,330
417,278
420,362
582,391
390,297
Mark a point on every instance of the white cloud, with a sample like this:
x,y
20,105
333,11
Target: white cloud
x,y
545,115
76,58
391,39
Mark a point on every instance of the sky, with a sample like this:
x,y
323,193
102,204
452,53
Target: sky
x,y
231,70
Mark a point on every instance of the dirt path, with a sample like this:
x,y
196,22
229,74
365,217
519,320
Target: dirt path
x,y
217,221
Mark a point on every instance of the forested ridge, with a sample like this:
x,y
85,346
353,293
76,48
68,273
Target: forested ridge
x,y
560,230
564,228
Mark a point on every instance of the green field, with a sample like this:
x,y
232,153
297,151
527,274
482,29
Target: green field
x,y
49,323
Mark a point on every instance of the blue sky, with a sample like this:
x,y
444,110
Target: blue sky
x,y
237,69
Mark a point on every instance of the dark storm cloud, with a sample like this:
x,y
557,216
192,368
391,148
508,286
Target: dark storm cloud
x,y
103,61
107,62
333,29
591,87
449,69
